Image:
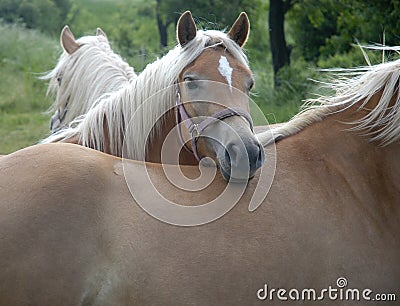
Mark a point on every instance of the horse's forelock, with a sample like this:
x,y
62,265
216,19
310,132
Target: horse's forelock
x,y
211,38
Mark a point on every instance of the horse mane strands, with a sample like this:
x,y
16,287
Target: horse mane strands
x,y
79,79
115,110
351,86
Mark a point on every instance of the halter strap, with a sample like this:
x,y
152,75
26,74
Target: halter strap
x,y
196,129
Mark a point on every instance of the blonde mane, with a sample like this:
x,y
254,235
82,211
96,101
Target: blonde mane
x,y
116,110
79,79
351,86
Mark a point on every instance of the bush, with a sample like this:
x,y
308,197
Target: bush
x,y
281,103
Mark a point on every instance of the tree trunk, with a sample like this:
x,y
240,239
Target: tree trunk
x,y
280,50
162,30
162,27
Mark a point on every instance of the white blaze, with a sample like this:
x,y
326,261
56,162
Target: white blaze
x,y
226,70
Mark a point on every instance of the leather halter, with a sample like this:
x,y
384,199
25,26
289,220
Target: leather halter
x,y
195,129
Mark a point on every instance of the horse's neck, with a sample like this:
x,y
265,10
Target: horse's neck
x,y
345,168
75,139
173,143
335,130
350,154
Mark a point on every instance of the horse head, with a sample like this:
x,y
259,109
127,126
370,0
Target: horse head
x,y
87,69
213,103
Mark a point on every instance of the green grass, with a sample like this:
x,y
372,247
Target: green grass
x,y
24,55
21,130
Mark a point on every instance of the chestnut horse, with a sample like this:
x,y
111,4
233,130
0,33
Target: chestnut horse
x,y
87,69
196,95
72,231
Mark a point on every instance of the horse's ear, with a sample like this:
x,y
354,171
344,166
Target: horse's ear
x,y
240,30
100,32
68,41
186,28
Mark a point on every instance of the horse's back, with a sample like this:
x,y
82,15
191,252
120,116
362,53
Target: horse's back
x,y
71,232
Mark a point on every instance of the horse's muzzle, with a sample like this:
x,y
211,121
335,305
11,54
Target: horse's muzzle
x,y
241,160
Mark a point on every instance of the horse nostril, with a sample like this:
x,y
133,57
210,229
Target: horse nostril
x,y
261,156
243,159
231,154
227,157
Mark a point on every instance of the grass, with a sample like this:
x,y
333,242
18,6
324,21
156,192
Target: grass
x,y
21,130
24,55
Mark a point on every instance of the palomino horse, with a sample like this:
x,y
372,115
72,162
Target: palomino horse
x,y
87,69
328,230
206,66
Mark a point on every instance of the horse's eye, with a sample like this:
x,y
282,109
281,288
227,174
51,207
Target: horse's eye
x,y
190,82
59,81
251,85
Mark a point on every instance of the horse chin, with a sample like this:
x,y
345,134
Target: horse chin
x,y
233,175
226,174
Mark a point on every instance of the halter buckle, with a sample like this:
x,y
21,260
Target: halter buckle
x,y
194,133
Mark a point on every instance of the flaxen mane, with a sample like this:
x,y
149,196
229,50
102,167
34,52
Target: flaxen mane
x,y
79,79
352,86
116,109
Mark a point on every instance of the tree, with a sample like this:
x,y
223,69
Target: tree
x,y
215,12
332,26
166,14
279,48
46,15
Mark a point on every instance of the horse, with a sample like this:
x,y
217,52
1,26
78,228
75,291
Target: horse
x,y
196,96
86,70
74,230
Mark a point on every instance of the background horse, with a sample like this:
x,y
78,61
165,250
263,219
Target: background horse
x,y
72,233
206,66
86,70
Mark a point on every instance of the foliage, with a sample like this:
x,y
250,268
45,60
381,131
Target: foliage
x,y
210,14
45,15
216,14
135,33
280,104
330,27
